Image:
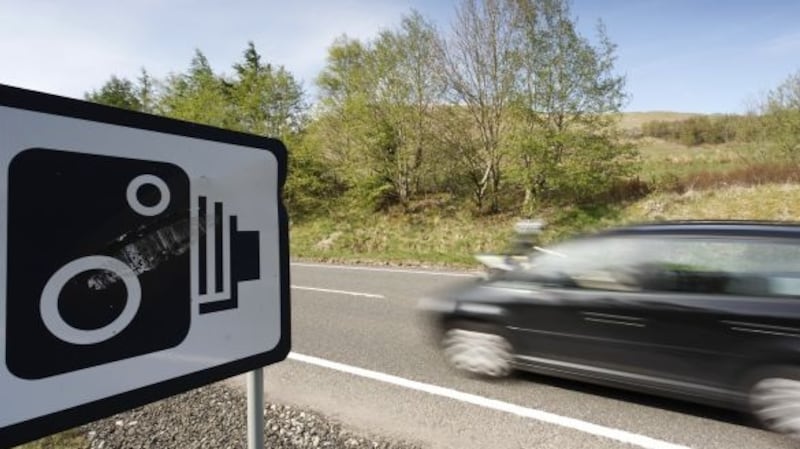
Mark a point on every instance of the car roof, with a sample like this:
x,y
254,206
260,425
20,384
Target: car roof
x,y
754,228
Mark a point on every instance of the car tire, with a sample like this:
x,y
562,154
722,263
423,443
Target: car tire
x,y
477,349
774,400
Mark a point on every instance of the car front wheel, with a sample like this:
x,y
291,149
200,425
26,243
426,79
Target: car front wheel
x,y
477,350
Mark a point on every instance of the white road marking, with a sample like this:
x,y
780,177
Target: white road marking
x,y
388,270
339,292
494,404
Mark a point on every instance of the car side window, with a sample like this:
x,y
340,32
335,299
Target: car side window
x,y
730,266
681,264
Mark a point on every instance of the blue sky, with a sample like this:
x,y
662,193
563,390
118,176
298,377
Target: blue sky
x,y
677,55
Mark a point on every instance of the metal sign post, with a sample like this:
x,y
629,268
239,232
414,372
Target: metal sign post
x,y
255,409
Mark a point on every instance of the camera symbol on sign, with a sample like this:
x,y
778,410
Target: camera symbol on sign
x,y
107,256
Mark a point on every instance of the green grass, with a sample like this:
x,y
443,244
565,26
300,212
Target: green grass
x,y
427,238
418,238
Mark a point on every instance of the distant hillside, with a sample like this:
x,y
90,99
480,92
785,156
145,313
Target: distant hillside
x,y
632,121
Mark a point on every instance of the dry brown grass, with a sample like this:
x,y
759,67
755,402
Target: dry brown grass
x,y
747,175
762,202
753,174
70,439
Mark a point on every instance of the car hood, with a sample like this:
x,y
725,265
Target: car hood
x,y
484,291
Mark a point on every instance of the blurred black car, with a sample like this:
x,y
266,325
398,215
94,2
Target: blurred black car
x,y
703,311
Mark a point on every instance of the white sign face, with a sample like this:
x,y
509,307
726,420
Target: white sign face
x,y
141,257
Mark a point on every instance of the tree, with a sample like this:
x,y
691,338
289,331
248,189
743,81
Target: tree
x,y
352,134
342,119
781,111
147,92
568,102
377,100
117,92
311,186
482,65
199,95
141,95
404,64
268,100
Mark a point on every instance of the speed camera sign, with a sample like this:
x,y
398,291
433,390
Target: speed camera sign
x,y
142,256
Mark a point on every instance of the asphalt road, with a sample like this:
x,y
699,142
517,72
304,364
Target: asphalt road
x,y
361,356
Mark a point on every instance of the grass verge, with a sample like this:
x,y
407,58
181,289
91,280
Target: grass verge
x,y
427,239
413,239
70,439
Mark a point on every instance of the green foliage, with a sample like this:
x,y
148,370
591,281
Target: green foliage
x,y
342,79
568,221
268,101
372,194
117,92
408,87
311,188
567,109
481,67
412,113
377,102
259,98
141,95
592,169
782,116
341,127
199,95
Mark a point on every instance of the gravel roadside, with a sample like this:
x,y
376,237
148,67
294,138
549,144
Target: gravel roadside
x,y
215,416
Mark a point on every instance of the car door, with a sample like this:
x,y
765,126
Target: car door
x,y
700,310
660,337
564,318
596,307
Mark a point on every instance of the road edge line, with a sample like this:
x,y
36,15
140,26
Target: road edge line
x,y
338,292
388,270
494,404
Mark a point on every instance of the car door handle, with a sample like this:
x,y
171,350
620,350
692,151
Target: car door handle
x,y
764,329
607,318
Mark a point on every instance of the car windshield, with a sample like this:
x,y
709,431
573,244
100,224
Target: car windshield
x,y
580,254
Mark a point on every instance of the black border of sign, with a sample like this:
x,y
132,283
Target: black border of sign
x,y
35,428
